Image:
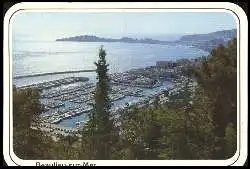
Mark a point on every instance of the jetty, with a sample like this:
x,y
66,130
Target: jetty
x,y
53,73
55,83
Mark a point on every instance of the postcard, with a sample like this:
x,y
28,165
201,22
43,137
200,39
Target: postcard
x,y
91,84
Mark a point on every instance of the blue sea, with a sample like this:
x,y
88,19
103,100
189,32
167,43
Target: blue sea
x,y
32,57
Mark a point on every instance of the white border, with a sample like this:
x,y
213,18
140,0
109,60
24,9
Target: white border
x,y
144,6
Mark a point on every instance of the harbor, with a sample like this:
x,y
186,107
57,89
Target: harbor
x,y
68,101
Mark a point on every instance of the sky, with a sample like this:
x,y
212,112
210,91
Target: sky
x,y
53,25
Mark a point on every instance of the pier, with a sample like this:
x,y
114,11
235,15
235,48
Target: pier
x,y
53,73
55,83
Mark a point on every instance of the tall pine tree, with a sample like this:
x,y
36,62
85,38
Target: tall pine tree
x,y
100,119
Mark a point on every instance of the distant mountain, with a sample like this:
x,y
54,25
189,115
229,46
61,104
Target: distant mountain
x,y
202,41
86,38
211,44
225,35
208,41
89,38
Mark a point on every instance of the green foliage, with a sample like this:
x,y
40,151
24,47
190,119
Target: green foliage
x,y
102,102
26,107
230,140
28,143
218,79
167,133
33,144
100,127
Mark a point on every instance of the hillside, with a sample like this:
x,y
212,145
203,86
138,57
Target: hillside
x,y
208,41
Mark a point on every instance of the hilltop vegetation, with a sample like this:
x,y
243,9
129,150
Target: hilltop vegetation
x,y
199,124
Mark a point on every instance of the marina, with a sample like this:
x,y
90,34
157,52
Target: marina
x,y
68,101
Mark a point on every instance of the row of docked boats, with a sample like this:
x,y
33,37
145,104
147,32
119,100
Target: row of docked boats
x,y
52,105
58,116
69,90
87,95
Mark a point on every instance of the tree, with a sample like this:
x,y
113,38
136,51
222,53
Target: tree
x,y
101,124
218,79
140,133
26,107
28,143
102,101
186,127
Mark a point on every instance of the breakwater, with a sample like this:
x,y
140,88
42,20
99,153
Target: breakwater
x,y
55,83
53,73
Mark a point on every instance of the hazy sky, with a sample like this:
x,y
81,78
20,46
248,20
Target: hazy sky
x,y
49,26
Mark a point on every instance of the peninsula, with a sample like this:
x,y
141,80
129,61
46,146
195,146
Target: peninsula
x,y
90,38
202,41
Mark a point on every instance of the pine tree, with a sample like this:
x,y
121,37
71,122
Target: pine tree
x,y
102,101
101,125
